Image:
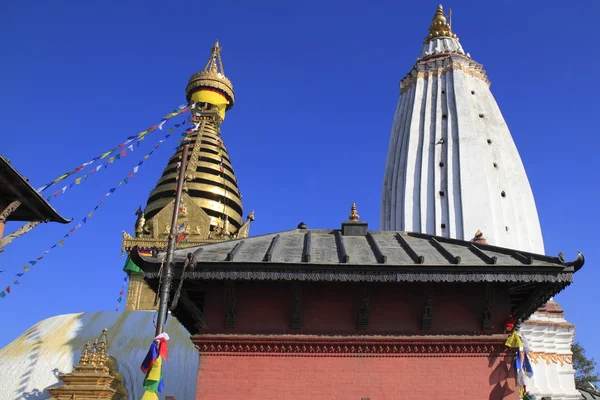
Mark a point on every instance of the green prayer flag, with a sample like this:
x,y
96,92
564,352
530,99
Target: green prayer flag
x,y
131,267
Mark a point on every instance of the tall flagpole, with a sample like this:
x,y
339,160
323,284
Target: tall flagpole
x,y
167,280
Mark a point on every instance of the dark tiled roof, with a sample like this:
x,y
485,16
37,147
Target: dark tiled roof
x,y
589,393
13,186
376,251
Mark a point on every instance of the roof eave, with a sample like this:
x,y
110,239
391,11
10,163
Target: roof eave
x,y
28,196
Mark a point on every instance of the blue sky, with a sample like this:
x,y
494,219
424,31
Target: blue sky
x,y
316,86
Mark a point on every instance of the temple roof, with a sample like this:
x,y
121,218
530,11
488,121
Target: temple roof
x,y
354,254
589,393
396,252
13,186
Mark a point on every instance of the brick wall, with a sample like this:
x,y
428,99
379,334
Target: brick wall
x,y
263,308
348,378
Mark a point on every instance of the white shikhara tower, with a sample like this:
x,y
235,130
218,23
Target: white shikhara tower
x,y
452,166
453,169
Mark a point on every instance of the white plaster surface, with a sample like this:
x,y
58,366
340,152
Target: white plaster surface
x,y
449,118
441,45
28,365
554,336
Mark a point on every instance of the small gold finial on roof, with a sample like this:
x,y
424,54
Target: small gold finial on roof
x,y
439,26
353,214
478,238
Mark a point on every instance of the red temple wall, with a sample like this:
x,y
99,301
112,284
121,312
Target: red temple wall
x,y
329,308
347,378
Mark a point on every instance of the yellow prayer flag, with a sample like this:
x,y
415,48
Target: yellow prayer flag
x,y
110,160
514,340
154,373
105,154
77,181
26,268
149,395
61,242
91,214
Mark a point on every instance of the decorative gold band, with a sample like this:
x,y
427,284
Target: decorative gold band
x,y
549,358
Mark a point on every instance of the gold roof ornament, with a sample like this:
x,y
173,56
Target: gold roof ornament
x,y
353,213
440,26
478,238
212,77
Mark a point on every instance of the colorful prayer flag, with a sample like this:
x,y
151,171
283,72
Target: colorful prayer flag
x,y
514,341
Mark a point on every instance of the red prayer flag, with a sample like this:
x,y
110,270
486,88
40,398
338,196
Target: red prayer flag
x,y
7,289
124,153
131,174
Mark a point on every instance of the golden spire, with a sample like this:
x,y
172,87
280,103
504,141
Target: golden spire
x,y
212,77
439,26
353,214
85,354
210,181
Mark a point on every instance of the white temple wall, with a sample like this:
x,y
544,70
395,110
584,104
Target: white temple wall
x,y
550,337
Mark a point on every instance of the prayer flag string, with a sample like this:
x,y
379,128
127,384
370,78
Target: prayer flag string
x,y
522,364
121,293
139,136
82,222
110,160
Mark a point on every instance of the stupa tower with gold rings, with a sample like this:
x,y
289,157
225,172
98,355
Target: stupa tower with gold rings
x,y
211,208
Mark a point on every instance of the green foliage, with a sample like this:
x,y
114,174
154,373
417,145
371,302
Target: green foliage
x,y
585,368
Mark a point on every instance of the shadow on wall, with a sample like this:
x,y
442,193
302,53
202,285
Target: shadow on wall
x,y
33,336
500,376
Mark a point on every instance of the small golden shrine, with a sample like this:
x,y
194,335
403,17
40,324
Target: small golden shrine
x,y
96,376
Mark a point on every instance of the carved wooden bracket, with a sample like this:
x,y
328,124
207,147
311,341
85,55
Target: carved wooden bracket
x,y
297,306
364,309
194,311
487,323
9,210
229,305
427,319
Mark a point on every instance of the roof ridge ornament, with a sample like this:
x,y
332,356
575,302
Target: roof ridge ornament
x,y
440,27
353,213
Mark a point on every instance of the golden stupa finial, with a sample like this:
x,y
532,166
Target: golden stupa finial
x,y
439,26
85,354
94,353
212,77
214,60
102,349
353,214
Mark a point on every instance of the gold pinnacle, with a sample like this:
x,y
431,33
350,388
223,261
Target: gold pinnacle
x,y
439,26
353,214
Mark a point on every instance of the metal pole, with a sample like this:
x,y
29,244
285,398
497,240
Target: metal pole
x,y
167,280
